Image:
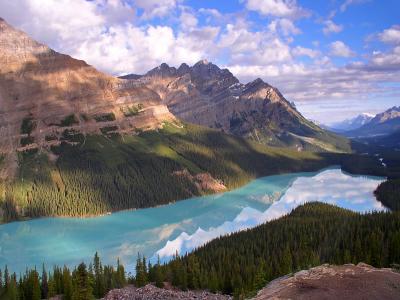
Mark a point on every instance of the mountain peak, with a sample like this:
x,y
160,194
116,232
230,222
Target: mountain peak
x,y
44,86
368,115
163,70
202,62
164,66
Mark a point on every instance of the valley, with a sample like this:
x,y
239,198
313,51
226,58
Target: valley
x,y
178,227
189,180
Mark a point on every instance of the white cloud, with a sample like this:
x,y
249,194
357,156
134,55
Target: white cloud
x,y
59,21
156,8
277,8
285,26
331,27
386,60
210,11
338,48
188,20
104,33
302,51
271,51
238,39
347,3
391,35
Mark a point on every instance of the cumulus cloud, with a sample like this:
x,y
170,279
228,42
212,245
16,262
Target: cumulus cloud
x,y
391,35
238,38
338,48
156,8
211,12
286,26
277,8
105,33
188,20
302,51
331,27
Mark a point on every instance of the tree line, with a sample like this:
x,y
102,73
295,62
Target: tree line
x,y
313,234
388,192
101,174
98,174
82,283
238,264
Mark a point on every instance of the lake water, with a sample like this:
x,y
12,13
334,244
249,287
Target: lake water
x,y
180,226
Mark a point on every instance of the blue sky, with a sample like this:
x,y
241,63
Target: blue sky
x,y
333,58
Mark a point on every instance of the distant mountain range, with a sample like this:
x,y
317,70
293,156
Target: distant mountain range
x,y
353,123
385,123
367,125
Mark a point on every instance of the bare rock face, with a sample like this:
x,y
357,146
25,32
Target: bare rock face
x,y
150,292
206,95
335,282
40,87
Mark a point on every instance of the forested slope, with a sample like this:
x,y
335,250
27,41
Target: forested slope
x,y
96,174
239,264
312,234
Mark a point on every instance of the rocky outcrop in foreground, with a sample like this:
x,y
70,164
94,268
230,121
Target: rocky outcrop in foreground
x,y
335,282
150,292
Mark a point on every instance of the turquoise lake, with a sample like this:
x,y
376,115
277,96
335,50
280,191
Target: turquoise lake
x,y
179,226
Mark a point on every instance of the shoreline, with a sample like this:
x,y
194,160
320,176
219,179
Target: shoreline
x,y
92,216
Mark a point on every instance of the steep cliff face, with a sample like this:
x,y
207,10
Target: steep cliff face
x,y
206,95
43,92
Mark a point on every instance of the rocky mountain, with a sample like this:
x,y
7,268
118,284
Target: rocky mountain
x,y
77,142
43,93
353,123
384,123
209,96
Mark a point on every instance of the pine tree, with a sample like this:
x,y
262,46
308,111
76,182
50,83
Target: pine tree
x,y
141,272
121,279
51,287
158,278
12,290
213,280
1,282
193,270
44,284
98,277
6,279
286,261
67,284
21,290
32,285
81,286
259,277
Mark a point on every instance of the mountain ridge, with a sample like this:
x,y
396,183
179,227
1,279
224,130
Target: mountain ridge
x,y
384,123
352,123
40,87
207,95
77,142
